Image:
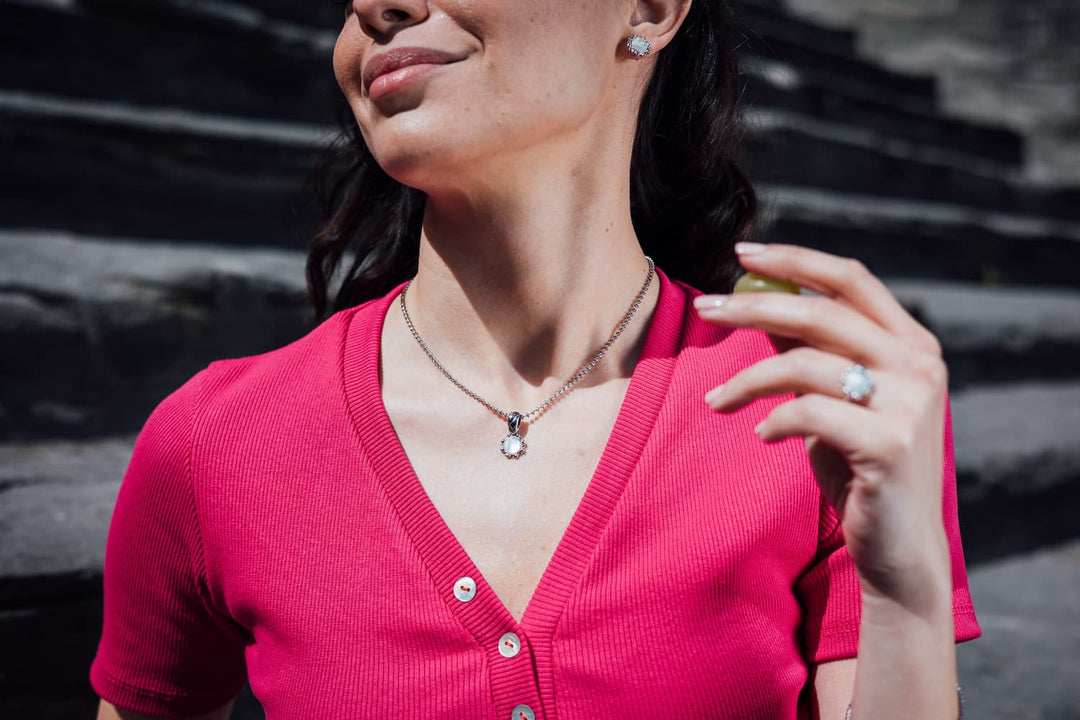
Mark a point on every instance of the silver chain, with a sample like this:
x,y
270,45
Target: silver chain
x,y
569,383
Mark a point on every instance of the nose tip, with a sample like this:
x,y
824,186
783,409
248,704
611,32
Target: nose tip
x,y
380,19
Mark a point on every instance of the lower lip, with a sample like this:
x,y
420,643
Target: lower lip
x,y
391,82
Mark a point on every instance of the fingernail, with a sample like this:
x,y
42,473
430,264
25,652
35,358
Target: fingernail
x,y
708,302
713,395
749,248
757,429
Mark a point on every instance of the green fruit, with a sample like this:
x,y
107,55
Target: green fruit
x,y
752,282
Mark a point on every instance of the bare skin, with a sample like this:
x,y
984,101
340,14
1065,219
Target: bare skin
x,y
528,258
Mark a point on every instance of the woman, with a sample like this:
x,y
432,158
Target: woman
x,y
468,496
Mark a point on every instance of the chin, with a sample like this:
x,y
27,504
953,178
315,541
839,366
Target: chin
x,y
420,154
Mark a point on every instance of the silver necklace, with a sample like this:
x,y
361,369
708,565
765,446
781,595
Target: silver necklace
x,y
513,446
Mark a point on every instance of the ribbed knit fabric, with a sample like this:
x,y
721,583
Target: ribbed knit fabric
x,y
270,524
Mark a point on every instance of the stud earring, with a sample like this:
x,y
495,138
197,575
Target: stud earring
x,y
638,46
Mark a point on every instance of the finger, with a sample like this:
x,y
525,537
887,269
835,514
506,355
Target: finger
x,y
817,321
850,428
801,371
844,279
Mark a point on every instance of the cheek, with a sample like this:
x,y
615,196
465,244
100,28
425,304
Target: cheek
x,y
550,81
347,53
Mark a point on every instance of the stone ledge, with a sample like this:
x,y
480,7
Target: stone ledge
x,y
156,172
1018,466
772,83
1017,439
1023,665
207,70
841,158
998,334
926,238
141,317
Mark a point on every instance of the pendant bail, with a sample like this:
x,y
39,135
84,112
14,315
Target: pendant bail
x,y
514,422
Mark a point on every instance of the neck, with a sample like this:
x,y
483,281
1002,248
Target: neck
x,y
519,286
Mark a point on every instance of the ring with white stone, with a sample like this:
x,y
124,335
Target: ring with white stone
x,y
856,383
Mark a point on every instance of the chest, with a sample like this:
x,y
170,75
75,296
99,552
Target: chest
x,y
509,515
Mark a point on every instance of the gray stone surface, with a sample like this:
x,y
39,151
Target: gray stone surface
x,y
139,317
999,334
790,148
926,238
997,61
1022,439
1018,466
56,499
120,169
1026,664
967,317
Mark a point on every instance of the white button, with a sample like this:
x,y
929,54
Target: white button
x,y
522,712
509,645
465,589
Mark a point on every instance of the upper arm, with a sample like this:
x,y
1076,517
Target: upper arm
x,y
166,649
107,711
833,685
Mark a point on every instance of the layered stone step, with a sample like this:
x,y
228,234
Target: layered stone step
x,y
243,64
126,170
995,335
766,19
97,331
131,170
829,69
142,316
1026,605
1018,465
243,69
787,147
773,83
926,239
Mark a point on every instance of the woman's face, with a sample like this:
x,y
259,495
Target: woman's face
x,y
477,80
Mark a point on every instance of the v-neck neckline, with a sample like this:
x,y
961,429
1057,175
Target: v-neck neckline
x,y
485,615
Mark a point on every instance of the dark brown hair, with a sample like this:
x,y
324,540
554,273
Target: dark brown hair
x,y
691,200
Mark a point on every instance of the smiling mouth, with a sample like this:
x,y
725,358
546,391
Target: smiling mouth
x,y
396,68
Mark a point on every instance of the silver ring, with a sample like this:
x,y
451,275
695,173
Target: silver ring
x,y
856,383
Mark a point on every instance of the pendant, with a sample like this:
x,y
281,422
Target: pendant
x,y
513,446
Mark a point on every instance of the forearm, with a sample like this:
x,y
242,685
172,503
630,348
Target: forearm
x,y
907,659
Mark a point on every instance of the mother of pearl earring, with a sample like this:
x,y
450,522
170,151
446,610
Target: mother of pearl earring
x,y
638,46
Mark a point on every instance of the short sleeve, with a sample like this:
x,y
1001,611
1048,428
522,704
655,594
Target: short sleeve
x,y
830,593
164,650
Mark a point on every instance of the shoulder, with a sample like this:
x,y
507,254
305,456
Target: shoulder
x,y
709,347
264,376
230,394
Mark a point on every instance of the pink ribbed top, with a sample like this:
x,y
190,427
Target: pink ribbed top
x,y
270,526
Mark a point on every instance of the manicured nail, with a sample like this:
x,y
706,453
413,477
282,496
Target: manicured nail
x,y
749,248
710,302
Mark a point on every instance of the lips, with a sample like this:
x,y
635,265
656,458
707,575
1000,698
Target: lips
x,y
392,60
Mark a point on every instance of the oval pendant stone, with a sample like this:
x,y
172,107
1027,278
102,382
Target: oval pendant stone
x,y
513,446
